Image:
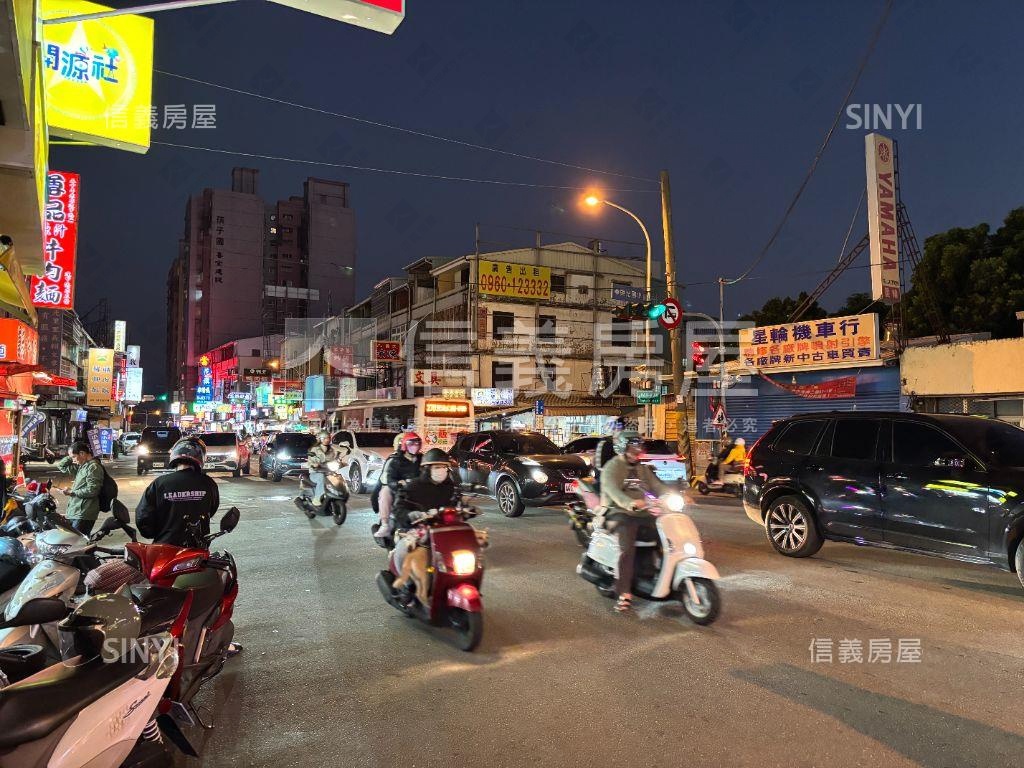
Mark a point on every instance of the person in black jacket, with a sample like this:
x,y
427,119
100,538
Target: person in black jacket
x,y
400,468
177,507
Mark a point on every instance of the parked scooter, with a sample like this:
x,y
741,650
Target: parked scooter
x,y
335,502
191,594
670,566
452,580
98,707
582,510
730,483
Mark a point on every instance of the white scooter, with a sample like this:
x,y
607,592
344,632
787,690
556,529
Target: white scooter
x,y
87,711
669,567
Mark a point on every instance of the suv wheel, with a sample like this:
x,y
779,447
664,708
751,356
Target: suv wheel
x,y
791,528
509,501
1018,561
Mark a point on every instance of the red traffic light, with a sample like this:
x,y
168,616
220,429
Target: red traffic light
x,y
698,354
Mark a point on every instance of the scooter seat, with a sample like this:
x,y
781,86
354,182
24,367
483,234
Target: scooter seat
x,y
35,708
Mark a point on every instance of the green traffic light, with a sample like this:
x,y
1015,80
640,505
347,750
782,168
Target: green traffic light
x,y
656,311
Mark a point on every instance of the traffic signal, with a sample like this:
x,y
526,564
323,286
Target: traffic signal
x,y
162,397
698,354
640,311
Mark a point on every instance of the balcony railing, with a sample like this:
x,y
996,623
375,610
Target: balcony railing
x,y
530,344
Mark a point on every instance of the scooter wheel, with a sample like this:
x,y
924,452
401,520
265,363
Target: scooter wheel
x,y
706,611
703,489
339,510
582,536
469,628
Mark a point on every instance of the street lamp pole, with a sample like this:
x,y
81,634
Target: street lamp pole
x,y
592,200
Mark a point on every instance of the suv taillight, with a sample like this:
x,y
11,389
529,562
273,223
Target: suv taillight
x,y
748,469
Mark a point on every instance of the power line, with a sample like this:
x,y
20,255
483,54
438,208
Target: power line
x,y
821,150
410,131
394,171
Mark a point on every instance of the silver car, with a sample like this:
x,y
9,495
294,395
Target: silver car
x,y
222,452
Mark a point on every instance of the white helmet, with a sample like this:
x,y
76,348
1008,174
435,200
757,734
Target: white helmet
x,y
740,441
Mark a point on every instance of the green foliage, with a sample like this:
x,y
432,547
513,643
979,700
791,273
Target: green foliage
x,y
779,309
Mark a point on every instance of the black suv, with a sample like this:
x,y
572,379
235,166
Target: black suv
x,y
943,485
516,468
154,447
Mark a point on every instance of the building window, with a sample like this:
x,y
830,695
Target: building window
x,y
583,290
548,376
464,276
546,328
256,353
558,283
504,324
621,332
503,375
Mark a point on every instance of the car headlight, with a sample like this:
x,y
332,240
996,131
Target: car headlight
x,y
539,475
333,466
463,562
690,548
233,455
588,459
283,455
142,450
674,502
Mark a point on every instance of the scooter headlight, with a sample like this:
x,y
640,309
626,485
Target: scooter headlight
x,y
689,548
674,502
463,562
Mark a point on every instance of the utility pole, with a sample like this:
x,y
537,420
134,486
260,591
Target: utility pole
x,y
675,335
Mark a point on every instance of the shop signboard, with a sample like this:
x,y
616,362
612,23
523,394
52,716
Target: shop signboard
x,y
648,397
204,387
518,281
32,421
883,234
101,441
382,351
628,293
454,393
133,353
100,377
491,397
120,335
55,288
458,409
257,374
346,391
133,385
313,394
98,76
19,342
834,342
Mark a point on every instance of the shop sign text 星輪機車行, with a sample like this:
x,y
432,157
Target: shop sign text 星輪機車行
x,y
834,342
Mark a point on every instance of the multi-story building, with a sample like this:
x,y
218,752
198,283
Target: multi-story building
x,y
539,321
63,349
244,266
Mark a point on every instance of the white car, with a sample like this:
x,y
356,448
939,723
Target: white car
x,y
129,440
365,462
660,455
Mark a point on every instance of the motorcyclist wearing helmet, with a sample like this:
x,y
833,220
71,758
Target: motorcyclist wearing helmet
x,y
176,508
736,457
400,468
433,489
319,456
623,483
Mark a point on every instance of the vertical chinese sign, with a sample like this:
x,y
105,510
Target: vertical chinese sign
x,y
55,288
100,376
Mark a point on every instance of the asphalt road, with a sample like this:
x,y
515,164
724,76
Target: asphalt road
x,y
332,675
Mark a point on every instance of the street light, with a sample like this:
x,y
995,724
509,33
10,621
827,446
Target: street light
x,y
593,201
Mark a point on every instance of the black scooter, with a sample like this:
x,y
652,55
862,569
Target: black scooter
x,y
335,502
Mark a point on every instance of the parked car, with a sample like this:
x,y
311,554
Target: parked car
x,y
129,440
659,454
225,451
516,469
366,460
154,447
951,486
285,454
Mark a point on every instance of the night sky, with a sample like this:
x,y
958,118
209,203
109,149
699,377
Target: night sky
x,y
732,97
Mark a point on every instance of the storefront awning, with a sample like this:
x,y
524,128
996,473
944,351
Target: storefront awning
x,y
14,293
556,405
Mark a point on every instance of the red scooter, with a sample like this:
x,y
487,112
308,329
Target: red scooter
x,y
190,593
456,569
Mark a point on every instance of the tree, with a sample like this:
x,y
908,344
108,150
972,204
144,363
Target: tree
x,y
974,277
779,309
861,303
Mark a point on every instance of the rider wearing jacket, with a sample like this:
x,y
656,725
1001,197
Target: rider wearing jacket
x,y
623,483
319,456
401,467
433,489
176,508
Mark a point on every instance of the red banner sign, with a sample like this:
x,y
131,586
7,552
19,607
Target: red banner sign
x,y
836,389
385,351
19,342
56,287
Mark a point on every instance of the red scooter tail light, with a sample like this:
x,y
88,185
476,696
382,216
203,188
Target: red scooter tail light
x,y
450,516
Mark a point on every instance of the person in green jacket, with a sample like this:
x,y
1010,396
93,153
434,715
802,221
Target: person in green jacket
x,y
84,493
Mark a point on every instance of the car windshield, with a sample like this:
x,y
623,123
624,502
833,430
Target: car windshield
x,y
582,444
294,441
164,438
531,444
659,448
218,438
995,442
375,439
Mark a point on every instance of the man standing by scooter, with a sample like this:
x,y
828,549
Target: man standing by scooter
x,y
84,493
623,483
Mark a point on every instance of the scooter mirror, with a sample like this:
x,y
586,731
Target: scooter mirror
x,y
229,520
120,512
41,610
110,524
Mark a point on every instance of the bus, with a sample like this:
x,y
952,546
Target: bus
x,y
437,420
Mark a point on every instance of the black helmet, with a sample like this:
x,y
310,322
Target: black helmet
x,y
190,450
435,456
